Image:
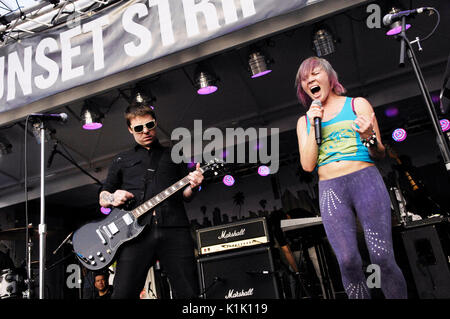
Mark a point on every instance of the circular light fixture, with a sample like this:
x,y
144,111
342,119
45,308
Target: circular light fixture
x,y
91,118
323,42
228,180
445,125
391,111
205,83
399,135
263,170
258,65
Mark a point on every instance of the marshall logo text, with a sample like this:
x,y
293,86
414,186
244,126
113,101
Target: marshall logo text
x,y
236,294
226,235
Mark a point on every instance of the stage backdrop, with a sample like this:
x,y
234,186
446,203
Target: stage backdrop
x,y
123,36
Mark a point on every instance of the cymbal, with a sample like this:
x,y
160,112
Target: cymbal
x,y
18,233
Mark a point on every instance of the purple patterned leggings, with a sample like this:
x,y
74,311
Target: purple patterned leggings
x,y
365,193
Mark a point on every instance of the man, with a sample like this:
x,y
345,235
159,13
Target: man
x,y
101,284
134,177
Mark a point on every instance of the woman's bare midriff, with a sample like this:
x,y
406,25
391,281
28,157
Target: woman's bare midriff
x,y
340,168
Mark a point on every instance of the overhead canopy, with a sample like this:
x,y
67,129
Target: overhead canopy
x,y
365,59
109,44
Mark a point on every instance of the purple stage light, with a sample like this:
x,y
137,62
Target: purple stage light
x,y
105,210
191,165
207,90
399,135
258,146
445,125
263,170
396,30
261,74
391,111
228,180
92,126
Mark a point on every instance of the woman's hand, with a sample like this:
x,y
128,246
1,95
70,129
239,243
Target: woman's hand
x,y
365,125
313,112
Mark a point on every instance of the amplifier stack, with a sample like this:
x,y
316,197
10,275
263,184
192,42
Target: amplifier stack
x,y
235,261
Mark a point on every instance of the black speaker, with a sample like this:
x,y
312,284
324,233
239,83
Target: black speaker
x,y
427,252
246,274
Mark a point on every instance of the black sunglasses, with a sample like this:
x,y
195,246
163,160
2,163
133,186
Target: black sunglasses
x,y
149,125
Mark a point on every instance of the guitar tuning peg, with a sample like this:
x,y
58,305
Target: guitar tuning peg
x,y
215,173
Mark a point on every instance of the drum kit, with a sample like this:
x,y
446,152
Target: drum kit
x,y
17,283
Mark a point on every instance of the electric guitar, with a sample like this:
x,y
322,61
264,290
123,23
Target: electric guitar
x,y
96,243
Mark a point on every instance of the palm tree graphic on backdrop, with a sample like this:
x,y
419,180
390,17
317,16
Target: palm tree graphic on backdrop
x,y
238,200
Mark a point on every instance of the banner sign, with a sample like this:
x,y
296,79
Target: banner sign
x,y
119,38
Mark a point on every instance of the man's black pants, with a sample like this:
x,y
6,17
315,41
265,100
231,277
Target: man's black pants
x,y
173,247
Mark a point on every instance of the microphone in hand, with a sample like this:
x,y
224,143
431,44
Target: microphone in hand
x,y
318,124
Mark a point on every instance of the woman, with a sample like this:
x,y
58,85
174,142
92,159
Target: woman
x,y
348,179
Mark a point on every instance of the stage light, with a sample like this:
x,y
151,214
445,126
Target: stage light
x,y
323,41
205,81
228,180
399,135
445,125
5,146
91,117
191,164
391,111
105,210
263,170
396,27
225,153
143,95
258,64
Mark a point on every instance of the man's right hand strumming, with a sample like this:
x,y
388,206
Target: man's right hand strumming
x,y
118,198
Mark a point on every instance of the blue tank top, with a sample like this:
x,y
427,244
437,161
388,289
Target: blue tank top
x,y
339,141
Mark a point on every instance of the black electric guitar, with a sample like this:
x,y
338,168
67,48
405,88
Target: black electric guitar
x,y
96,243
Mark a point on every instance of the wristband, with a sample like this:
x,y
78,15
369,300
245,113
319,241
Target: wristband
x,y
371,141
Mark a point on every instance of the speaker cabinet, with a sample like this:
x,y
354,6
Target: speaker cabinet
x,y
428,257
246,274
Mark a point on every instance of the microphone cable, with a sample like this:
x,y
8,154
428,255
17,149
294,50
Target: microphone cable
x,y
436,25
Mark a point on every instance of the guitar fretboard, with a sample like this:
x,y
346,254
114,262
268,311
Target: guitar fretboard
x,y
155,200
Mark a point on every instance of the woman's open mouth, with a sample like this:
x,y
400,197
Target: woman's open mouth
x,y
315,89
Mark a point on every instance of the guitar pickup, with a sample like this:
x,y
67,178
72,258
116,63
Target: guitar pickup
x,y
105,229
101,236
113,228
127,219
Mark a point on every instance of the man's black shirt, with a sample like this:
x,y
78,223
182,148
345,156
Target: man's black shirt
x,y
136,172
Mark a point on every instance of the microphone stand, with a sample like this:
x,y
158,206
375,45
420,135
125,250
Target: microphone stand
x,y
56,151
42,225
441,138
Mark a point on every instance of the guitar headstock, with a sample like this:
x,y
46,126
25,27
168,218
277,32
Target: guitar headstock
x,y
215,165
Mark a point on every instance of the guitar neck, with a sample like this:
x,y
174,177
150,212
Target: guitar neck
x,y
155,200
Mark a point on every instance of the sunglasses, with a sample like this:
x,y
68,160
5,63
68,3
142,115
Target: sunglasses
x,y
140,128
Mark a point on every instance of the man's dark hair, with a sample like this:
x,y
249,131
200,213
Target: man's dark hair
x,y
105,274
138,109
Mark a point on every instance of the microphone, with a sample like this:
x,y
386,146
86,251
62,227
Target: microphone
x,y
318,124
392,17
50,158
51,117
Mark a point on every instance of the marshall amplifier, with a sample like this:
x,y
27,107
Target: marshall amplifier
x,y
245,274
250,232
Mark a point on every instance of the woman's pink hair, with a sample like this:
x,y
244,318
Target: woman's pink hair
x,y
305,69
